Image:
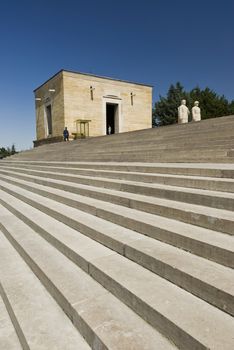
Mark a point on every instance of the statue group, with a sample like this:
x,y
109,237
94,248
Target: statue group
x,y
183,112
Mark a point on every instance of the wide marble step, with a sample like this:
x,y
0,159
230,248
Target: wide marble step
x,y
104,321
159,143
8,336
181,268
193,169
207,243
214,199
190,213
176,313
206,141
151,147
217,157
131,234
213,157
208,128
134,154
39,321
202,182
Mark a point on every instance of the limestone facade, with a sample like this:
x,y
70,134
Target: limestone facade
x,y
70,96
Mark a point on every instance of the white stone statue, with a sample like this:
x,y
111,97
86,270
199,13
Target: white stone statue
x,y
196,112
183,113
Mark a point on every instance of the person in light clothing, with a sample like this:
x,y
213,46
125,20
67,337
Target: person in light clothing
x,y
196,112
183,113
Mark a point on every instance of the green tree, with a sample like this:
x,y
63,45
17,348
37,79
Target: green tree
x,y
212,105
231,108
165,111
13,150
5,152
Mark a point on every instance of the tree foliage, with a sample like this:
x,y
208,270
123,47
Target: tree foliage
x,y
231,108
6,152
212,105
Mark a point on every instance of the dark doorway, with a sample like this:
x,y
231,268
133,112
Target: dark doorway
x,y
111,113
49,119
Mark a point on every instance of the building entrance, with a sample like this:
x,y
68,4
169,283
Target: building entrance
x,y
111,118
49,119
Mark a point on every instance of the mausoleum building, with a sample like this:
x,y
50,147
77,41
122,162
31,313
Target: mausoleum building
x,y
90,105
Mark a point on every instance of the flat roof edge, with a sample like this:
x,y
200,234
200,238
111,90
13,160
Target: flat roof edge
x,y
53,76
91,75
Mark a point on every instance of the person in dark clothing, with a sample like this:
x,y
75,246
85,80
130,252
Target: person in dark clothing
x,y
65,134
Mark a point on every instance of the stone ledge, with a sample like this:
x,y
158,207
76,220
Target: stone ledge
x,y
48,140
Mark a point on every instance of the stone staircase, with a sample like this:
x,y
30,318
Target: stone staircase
x,y
208,141
118,255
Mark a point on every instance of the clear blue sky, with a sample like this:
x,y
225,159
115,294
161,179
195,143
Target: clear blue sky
x,y
157,42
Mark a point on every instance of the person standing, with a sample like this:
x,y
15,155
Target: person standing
x,y
65,134
183,113
196,112
109,130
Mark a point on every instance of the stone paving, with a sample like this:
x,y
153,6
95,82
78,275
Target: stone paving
x,y
117,255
